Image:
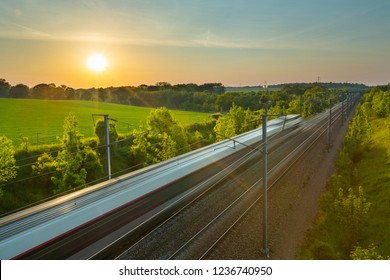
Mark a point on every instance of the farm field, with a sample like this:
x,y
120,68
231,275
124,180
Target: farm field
x,y
42,120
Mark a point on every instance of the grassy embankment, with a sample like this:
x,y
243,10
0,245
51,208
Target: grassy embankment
x,y
42,120
372,172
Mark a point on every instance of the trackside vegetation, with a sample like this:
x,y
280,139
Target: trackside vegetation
x,y
355,213
7,160
74,158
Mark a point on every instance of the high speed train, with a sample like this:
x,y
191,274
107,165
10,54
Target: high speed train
x,y
32,229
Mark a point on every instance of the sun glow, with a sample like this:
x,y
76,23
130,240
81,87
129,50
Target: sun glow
x,y
97,62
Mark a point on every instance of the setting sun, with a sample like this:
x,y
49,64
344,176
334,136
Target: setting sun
x,y
97,62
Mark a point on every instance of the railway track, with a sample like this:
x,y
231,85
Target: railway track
x,y
215,247
197,229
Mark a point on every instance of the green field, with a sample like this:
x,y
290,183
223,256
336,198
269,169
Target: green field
x,y
42,120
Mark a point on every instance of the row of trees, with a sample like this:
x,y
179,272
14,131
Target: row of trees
x,y
377,101
163,139
124,95
210,97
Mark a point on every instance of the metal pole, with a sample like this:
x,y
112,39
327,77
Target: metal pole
x,y
107,146
265,249
330,123
300,105
349,103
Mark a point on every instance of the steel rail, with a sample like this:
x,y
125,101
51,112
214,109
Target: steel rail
x,y
322,127
258,200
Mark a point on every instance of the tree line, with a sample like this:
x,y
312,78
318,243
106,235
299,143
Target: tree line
x,y
209,97
177,96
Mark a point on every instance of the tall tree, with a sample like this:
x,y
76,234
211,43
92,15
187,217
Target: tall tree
x,y
69,160
161,121
236,121
163,140
73,160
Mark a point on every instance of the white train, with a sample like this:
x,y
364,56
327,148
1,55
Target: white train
x,y
30,230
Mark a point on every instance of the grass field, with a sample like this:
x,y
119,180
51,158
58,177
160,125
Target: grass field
x,y
42,120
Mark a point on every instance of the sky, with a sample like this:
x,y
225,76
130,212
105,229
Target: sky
x,y
235,42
